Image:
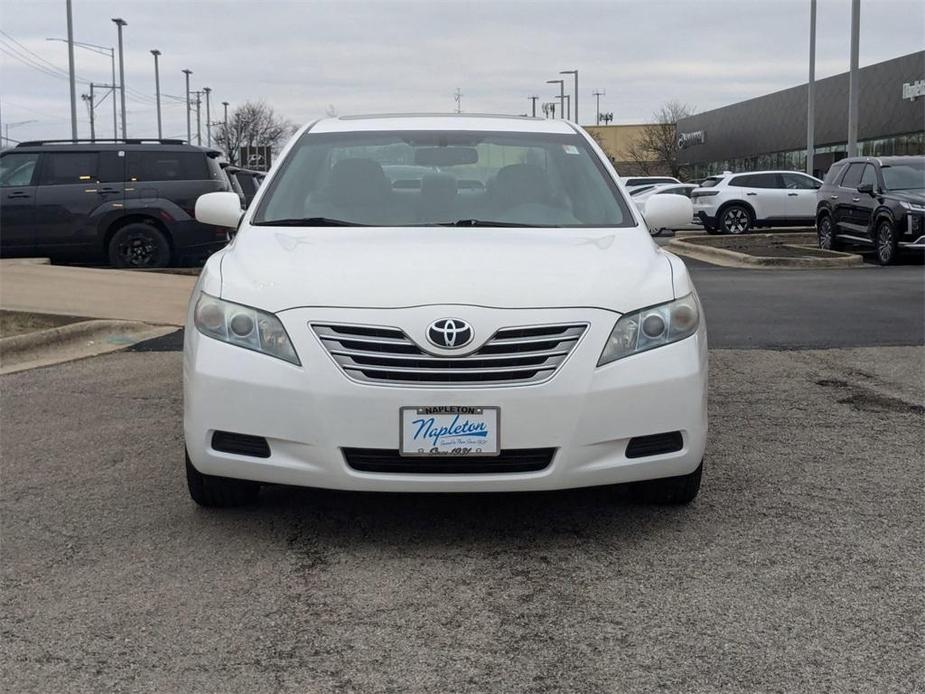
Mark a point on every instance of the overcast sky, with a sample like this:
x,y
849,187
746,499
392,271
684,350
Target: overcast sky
x,y
368,57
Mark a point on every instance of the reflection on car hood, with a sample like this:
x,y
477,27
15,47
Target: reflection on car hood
x,y
916,195
280,268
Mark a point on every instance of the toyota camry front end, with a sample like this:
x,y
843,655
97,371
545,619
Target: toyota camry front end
x,y
443,304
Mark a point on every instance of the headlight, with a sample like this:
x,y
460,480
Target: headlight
x,y
243,326
652,327
911,205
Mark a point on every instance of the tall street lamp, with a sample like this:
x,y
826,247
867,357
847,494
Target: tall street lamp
x,y
561,84
157,91
853,79
119,22
573,72
189,127
811,91
71,72
111,52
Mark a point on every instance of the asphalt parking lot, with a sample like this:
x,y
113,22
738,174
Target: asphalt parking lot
x,y
797,569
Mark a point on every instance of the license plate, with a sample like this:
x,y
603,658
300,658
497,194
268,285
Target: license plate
x,y
449,431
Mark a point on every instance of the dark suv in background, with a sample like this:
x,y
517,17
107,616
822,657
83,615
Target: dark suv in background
x,y
874,201
130,201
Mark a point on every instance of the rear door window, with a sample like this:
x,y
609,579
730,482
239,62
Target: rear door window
x,y
795,181
166,166
869,176
69,168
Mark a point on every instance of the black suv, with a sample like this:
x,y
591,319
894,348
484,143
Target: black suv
x,y
130,201
877,201
244,182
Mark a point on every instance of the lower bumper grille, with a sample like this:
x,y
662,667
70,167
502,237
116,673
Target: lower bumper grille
x,y
656,444
385,460
240,444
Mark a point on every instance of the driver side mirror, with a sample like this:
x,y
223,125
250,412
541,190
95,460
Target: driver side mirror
x,y
220,209
866,188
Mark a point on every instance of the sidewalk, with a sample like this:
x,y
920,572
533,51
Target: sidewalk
x,y
150,297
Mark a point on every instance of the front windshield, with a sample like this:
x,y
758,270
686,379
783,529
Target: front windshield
x,y
905,176
415,178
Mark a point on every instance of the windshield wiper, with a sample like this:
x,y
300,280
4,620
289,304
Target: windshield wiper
x,y
486,223
308,222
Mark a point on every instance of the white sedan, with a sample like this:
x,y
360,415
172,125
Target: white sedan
x,y
508,325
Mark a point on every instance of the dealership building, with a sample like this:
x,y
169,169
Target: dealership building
x,y
769,132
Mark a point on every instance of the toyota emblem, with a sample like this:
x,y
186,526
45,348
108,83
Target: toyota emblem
x,y
450,333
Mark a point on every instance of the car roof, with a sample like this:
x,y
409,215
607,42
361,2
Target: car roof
x,y
442,121
59,146
891,160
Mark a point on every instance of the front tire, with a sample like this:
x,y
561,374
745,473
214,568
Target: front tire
x,y
219,492
825,232
669,491
139,246
886,243
736,219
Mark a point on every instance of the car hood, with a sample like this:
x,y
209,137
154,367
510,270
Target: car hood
x,y
916,195
279,268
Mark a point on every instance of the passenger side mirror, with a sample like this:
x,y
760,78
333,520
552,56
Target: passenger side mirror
x,y
668,211
866,188
220,209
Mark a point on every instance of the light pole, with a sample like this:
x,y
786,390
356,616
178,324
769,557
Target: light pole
x,y
70,70
811,91
853,79
598,95
208,91
568,106
189,130
533,104
111,52
561,84
157,91
119,22
573,72
198,118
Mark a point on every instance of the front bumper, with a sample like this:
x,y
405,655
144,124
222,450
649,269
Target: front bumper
x,y
309,414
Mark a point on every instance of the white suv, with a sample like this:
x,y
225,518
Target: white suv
x,y
506,325
734,203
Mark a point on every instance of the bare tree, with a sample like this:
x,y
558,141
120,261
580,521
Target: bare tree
x,y
252,124
657,151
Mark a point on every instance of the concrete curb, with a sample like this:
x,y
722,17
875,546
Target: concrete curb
x,y
727,258
73,341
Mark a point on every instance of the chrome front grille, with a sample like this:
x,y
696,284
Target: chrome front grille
x,y
512,356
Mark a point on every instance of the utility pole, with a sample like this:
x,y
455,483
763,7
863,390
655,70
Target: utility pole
x,y
70,69
208,91
457,97
573,72
533,104
119,24
225,132
92,104
811,92
198,119
853,85
157,91
598,95
561,84
189,132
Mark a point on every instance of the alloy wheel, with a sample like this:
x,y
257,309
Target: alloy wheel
x,y
886,243
826,240
735,220
138,250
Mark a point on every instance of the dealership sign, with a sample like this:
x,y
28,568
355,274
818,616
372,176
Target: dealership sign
x,y
912,90
685,140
